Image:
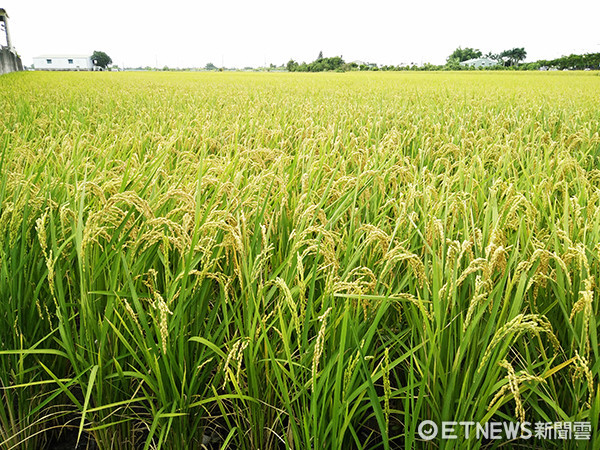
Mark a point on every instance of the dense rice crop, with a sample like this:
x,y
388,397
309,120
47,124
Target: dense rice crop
x,y
296,261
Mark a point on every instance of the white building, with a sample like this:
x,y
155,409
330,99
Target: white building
x,y
479,62
63,62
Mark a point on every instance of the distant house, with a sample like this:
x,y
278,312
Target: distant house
x,y
360,63
63,62
479,62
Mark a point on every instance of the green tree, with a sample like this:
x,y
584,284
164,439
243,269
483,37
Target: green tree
x,y
334,63
292,66
494,56
210,66
519,54
101,59
464,54
513,56
506,57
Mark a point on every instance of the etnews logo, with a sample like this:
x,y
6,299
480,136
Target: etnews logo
x,y
429,430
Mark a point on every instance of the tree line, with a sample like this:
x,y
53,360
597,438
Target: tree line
x,y
510,59
576,62
507,58
321,64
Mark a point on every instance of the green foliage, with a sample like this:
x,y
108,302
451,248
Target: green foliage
x,y
508,59
349,66
577,62
464,54
101,59
513,56
321,64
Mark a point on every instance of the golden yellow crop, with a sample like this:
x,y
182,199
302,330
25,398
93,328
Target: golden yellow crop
x,y
296,260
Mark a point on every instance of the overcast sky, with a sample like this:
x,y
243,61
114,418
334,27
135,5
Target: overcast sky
x,y
241,33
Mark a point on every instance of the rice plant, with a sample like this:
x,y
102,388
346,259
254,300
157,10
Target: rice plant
x,y
265,261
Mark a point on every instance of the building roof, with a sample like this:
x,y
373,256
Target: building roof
x,y
479,61
62,56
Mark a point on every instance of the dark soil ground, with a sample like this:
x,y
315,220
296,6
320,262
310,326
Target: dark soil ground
x,y
67,440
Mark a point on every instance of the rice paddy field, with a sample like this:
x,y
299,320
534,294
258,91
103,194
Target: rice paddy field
x,y
299,261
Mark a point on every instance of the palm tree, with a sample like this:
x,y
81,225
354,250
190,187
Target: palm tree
x,y
519,54
514,55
